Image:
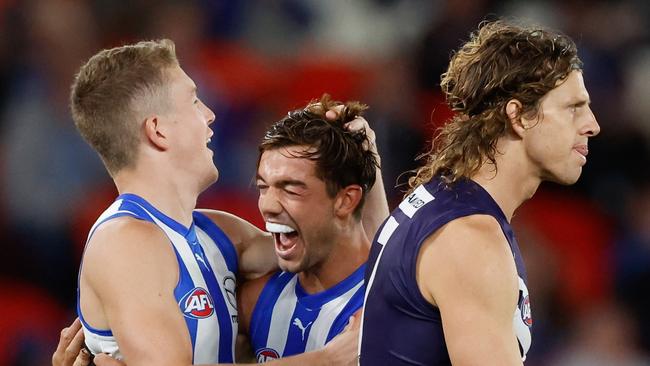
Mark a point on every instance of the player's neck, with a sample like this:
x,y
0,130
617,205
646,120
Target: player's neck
x,y
349,253
512,183
169,196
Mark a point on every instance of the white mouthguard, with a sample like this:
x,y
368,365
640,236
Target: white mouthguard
x,y
272,227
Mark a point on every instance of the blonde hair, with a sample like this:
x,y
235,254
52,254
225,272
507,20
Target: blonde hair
x,y
112,90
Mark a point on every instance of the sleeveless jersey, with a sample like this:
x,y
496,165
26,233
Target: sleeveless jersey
x,y
399,327
205,292
287,321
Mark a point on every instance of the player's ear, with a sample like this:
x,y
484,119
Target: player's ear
x,y
155,133
513,112
347,200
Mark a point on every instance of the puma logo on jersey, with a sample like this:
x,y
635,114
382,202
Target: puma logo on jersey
x,y
298,323
199,258
197,304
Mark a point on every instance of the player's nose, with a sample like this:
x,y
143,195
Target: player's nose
x,y
268,203
591,127
209,114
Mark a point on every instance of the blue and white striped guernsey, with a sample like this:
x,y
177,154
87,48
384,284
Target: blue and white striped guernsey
x,y
288,321
205,292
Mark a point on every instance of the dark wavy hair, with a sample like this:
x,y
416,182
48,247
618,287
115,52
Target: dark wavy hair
x,y
341,156
500,62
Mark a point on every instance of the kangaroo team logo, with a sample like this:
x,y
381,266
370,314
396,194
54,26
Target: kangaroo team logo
x,y
197,304
526,314
267,354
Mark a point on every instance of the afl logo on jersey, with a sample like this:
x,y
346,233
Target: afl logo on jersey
x,y
267,354
526,314
197,304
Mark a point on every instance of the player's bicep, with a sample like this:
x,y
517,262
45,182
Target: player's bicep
x,y
258,255
467,270
134,278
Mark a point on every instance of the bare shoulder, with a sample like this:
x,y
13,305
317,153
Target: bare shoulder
x,y
475,226
131,272
475,234
127,244
467,270
125,234
471,252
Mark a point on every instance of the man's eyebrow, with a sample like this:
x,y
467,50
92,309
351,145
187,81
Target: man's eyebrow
x,y
285,182
580,103
291,182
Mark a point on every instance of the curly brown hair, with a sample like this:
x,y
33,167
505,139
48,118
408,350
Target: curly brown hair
x,y
341,156
501,61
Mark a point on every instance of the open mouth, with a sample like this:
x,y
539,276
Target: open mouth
x,y
207,145
285,237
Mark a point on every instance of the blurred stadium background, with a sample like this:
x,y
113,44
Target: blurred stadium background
x,y
587,247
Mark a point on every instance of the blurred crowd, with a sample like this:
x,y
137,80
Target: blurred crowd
x,y
587,247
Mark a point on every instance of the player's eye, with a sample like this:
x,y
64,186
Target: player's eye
x,y
261,187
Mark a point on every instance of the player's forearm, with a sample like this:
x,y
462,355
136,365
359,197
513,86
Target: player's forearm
x,y
375,211
259,257
315,358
